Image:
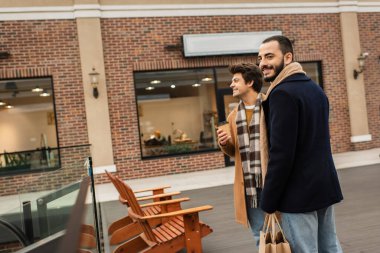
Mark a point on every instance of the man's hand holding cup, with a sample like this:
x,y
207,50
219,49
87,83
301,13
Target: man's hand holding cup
x,y
224,133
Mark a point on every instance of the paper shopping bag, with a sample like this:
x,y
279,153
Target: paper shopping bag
x,y
272,238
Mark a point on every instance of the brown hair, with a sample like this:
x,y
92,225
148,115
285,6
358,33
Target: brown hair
x,y
250,72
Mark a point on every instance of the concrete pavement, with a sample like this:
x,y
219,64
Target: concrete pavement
x,y
224,176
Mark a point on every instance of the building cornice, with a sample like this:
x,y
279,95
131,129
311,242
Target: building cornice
x,y
175,10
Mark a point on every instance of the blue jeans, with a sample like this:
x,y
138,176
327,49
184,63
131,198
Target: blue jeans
x,y
312,232
256,221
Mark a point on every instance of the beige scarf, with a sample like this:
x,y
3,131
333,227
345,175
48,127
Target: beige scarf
x,y
291,69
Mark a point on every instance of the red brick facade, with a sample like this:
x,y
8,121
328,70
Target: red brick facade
x,y
369,26
49,48
135,44
131,44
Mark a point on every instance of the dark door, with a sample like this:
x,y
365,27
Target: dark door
x,y
225,103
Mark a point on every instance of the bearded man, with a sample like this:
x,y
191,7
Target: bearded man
x,y
301,181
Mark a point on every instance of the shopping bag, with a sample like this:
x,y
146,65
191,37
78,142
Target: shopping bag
x,y
272,238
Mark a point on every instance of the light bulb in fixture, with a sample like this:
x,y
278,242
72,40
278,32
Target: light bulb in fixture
x,y
9,106
37,89
45,94
2,103
206,79
155,82
149,88
196,85
172,86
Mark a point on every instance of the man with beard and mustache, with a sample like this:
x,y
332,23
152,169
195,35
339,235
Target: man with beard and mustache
x,y
301,181
242,141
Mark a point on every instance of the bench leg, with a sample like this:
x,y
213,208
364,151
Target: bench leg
x,y
192,233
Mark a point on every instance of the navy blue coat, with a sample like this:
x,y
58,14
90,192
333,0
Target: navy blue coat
x,y
301,174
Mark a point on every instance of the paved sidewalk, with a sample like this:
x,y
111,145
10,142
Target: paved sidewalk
x,y
357,216
225,176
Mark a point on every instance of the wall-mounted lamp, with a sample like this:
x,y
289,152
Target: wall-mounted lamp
x,y
94,77
361,59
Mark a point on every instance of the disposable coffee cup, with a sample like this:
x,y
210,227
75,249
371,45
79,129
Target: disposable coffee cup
x,y
225,126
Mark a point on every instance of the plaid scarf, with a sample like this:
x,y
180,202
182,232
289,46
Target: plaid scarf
x,y
249,148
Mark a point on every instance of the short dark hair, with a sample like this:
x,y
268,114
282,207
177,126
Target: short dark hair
x,y
285,43
250,72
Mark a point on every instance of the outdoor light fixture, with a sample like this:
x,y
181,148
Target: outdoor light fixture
x,y
94,77
361,59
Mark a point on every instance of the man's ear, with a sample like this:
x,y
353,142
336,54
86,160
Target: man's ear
x,y
288,58
250,84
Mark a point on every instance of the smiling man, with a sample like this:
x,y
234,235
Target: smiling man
x,y
243,144
301,180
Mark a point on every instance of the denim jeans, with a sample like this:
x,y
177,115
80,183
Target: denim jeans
x,y
256,222
312,232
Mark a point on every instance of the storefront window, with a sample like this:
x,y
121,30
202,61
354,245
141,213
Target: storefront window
x,y
28,131
177,111
314,71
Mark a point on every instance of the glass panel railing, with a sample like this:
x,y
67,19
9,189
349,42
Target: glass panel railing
x,y
80,233
40,204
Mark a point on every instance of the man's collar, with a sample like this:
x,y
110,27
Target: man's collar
x,y
296,77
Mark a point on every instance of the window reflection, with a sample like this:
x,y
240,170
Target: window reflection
x,y
27,126
178,108
177,111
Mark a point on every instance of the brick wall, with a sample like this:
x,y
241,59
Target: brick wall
x,y
369,27
49,48
141,42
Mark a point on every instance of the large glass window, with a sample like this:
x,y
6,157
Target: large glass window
x,y
177,111
314,71
28,131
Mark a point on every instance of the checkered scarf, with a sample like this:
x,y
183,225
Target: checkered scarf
x,y
249,148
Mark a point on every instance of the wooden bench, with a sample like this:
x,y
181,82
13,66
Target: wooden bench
x,y
182,228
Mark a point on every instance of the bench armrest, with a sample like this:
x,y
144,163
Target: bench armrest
x,y
163,195
152,189
178,213
165,202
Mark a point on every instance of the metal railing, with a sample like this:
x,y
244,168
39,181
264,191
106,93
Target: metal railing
x,y
29,161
